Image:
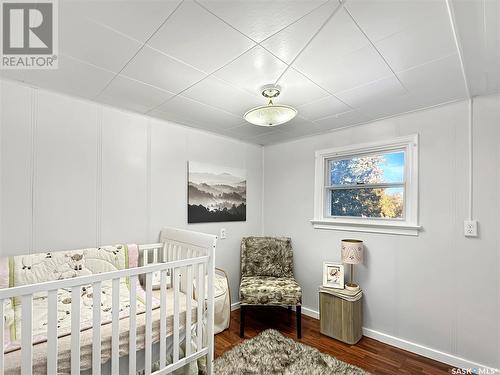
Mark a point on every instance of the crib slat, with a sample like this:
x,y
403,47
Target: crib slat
x,y
189,297
96,328
2,328
176,277
52,332
149,325
27,335
76,294
163,319
200,284
115,327
133,327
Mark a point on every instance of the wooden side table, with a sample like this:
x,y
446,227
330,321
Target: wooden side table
x,y
340,319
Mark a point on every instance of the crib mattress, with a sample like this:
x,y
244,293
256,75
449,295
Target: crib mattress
x,y
13,359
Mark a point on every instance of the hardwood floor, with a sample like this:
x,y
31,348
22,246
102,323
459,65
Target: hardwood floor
x,y
369,354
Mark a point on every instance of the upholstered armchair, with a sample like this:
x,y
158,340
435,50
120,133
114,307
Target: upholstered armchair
x,y
267,276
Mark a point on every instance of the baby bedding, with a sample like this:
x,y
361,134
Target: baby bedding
x,y
36,268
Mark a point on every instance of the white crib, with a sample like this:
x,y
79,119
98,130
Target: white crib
x,y
180,265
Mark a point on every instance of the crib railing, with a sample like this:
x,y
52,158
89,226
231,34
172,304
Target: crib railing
x,y
188,269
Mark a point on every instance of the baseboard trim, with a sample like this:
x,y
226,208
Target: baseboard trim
x,y
425,351
422,350
310,312
235,306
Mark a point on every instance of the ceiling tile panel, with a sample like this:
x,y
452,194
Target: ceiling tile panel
x,y
323,108
193,113
383,18
298,89
199,38
340,121
339,37
436,82
261,19
341,57
133,95
222,95
299,126
378,108
419,44
94,43
288,42
123,15
383,89
252,70
248,131
354,69
155,68
73,77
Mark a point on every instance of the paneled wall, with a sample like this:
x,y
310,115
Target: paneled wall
x,y
438,293
75,174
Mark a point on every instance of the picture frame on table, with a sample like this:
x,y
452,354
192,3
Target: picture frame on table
x,y
333,275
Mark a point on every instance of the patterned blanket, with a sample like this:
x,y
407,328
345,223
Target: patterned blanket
x,y
37,268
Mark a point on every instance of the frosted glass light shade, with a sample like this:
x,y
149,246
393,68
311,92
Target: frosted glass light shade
x,y
270,115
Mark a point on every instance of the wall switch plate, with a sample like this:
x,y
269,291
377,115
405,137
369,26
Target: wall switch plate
x,y
223,234
470,228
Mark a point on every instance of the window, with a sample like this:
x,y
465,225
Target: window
x,y
370,188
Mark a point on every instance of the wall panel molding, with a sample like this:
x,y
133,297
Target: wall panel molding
x,y
98,241
149,235
33,165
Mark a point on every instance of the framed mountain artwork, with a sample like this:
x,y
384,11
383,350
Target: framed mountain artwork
x,y
216,193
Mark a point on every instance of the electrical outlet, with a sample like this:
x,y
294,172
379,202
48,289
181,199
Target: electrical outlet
x,y
223,234
470,228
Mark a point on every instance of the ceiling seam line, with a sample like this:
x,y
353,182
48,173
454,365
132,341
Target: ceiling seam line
x,y
140,49
201,103
194,84
224,21
294,22
268,37
339,7
451,16
221,67
376,49
308,78
262,41
321,87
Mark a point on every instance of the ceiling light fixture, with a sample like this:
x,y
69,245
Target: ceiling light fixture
x,y
270,114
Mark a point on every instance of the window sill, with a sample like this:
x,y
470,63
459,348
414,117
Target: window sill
x,y
371,227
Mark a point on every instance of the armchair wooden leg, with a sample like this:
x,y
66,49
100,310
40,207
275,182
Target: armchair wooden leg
x,y
298,313
242,321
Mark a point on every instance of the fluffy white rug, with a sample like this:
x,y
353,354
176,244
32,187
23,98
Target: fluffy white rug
x,y
272,353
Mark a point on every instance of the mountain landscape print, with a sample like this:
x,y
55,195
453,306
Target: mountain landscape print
x,y
216,194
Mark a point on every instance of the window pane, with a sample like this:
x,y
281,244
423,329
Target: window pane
x,y
378,168
387,202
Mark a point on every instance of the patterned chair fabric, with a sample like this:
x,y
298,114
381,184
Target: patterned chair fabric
x,y
266,256
268,290
267,272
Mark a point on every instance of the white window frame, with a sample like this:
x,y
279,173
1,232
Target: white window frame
x,y
408,225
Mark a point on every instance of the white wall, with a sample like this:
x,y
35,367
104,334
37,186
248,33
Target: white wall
x,y
76,174
440,289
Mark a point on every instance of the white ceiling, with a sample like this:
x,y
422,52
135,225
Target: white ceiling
x,y
201,63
